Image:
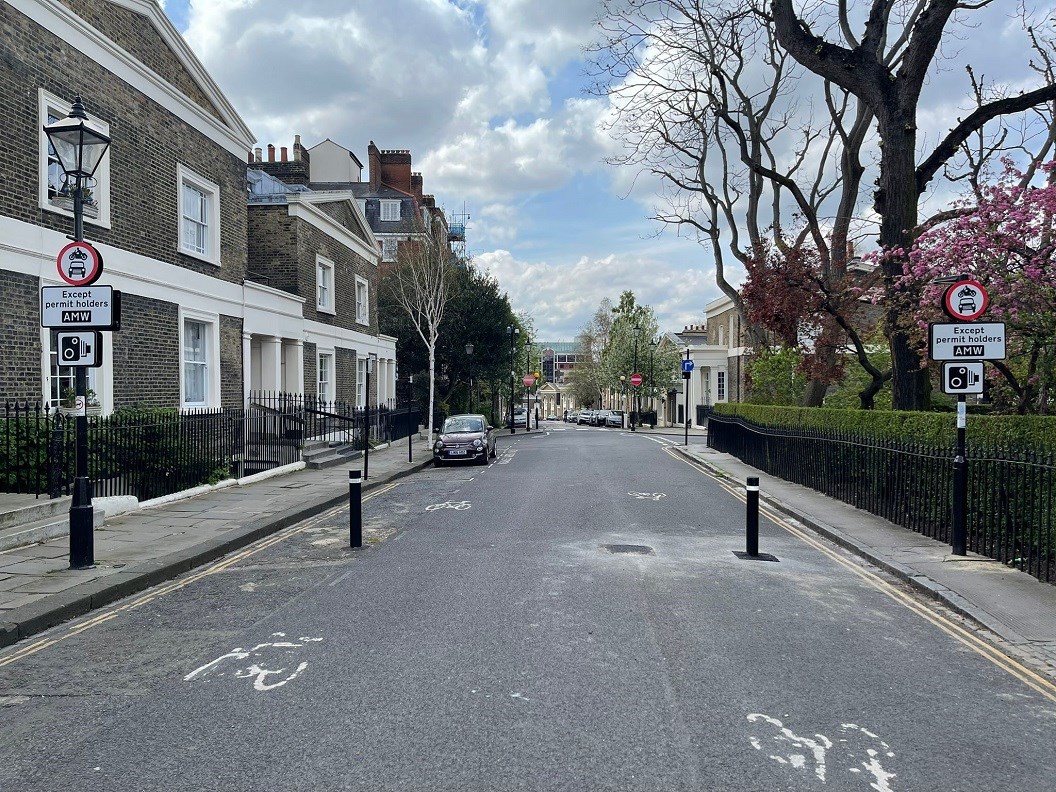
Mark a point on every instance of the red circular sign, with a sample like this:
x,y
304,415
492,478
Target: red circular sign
x,y
636,380
965,300
79,264
528,381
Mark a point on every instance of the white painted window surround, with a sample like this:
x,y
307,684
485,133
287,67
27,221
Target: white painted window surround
x,y
361,382
199,359
362,301
390,210
325,380
324,285
199,215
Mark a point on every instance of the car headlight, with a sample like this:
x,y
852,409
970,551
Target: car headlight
x,y
439,446
477,443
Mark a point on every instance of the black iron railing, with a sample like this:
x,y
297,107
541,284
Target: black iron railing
x,y
1011,493
33,450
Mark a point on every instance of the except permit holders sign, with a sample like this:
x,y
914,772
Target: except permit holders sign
x,y
77,307
967,341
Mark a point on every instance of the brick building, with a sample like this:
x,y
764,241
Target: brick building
x,y
169,213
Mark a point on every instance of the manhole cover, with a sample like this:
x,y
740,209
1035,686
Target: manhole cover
x,y
625,548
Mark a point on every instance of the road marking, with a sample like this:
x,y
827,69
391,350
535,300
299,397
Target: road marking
x,y
254,671
167,588
458,505
1031,679
647,495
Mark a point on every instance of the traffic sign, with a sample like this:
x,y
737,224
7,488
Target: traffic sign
x,y
687,366
528,380
86,307
636,380
79,264
81,349
960,378
965,300
974,341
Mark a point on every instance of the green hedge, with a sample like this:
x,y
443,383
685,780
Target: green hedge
x,y
1030,432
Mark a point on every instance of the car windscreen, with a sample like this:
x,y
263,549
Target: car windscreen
x,y
459,425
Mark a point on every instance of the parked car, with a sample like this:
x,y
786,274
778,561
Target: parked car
x,y
600,418
550,418
520,419
464,438
614,418
584,417
573,416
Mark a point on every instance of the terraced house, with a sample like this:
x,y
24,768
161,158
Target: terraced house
x,y
220,295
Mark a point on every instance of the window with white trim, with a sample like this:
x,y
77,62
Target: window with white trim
x,y
388,249
324,285
362,304
720,386
199,209
56,194
325,383
390,210
195,364
361,382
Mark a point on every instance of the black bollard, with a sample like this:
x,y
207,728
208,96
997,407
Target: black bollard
x,y
752,517
355,509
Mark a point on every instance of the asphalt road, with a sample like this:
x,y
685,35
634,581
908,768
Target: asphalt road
x,y
572,617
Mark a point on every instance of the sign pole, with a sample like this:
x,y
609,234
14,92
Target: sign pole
x,y
960,484
686,375
82,514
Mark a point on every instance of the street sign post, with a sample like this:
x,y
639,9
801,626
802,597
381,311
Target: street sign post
x,y
85,307
967,341
637,380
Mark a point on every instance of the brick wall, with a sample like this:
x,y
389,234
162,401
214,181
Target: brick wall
x,y
20,337
147,353
230,361
147,143
311,369
346,375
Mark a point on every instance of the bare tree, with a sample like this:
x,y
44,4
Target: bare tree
x,y
420,283
885,69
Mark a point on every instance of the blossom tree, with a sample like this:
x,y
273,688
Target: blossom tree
x,y
1007,240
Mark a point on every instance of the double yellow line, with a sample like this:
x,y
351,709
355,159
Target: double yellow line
x,y
167,588
1036,682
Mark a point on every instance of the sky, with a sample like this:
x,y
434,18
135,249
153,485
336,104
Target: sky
x,y
489,97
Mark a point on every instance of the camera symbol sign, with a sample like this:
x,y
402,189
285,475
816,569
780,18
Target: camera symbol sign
x,y
960,378
80,349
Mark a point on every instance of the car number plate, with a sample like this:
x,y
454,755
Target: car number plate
x,y
459,452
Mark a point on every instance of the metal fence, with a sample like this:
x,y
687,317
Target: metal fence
x,y
153,452
1011,493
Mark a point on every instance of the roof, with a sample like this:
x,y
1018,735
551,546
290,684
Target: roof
x,y
561,347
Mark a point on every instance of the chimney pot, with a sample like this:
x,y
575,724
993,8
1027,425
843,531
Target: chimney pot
x,y
282,153
256,153
271,152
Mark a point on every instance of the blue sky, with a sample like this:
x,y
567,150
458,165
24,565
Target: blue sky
x,y
489,97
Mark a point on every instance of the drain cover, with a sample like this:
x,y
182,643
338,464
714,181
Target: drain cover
x,y
623,548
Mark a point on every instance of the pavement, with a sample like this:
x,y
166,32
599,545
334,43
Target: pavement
x,y
149,545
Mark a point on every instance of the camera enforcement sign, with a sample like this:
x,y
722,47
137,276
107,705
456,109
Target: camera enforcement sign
x,y
962,377
967,341
81,349
85,307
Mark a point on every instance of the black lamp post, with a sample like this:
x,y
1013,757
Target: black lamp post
x,y
528,390
636,402
623,396
80,149
469,353
514,333
653,344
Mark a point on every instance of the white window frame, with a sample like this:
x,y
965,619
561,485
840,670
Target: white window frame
x,y
363,316
97,215
720,386
324,285
361,382
212,358
325,364
390,211
389,247
211,191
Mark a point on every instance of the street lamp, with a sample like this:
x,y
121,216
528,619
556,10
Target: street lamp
x,y
653,344
513,333
527,371
635,400
623,395
80,148
469,352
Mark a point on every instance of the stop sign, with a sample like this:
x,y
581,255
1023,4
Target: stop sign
x,y
528,381
636,380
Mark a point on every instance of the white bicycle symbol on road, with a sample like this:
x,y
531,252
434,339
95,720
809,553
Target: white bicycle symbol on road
x,y
457,505
647,495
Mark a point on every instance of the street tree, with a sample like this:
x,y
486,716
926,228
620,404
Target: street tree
x,y
419,283
885,67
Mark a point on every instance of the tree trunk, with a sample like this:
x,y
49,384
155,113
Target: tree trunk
x,y
432,387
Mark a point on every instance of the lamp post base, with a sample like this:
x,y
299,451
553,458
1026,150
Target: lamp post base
x,y
82,524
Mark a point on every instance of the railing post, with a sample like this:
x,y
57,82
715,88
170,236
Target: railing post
x,y
355,509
